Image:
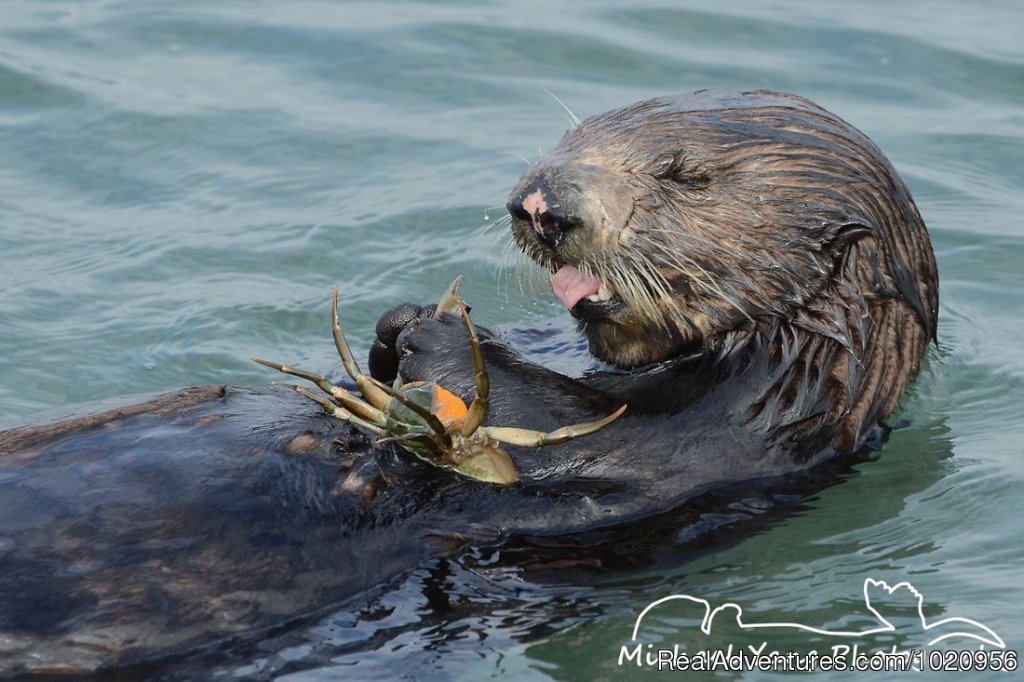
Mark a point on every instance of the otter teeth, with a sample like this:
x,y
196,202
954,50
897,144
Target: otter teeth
x,y
604,293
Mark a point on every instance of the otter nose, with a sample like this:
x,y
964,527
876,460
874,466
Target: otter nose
x,y
536,205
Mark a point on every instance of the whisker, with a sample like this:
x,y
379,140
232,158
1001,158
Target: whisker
x,y
706,282
520,156
573,118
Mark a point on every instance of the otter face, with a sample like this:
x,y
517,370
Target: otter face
x,y
672,223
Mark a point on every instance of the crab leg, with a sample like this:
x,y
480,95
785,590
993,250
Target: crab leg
x,y
349,401
338,411
370,391
478,408
535,439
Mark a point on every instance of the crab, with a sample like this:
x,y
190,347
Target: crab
x,y
428,420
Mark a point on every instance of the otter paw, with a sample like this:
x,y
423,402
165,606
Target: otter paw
x,y
436,350
383,360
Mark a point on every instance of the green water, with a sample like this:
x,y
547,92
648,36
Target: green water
x,y
181,184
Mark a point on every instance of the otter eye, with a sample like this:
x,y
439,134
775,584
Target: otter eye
x,y
679,169
662,166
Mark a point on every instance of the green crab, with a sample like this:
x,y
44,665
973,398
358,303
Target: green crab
x,y
427,419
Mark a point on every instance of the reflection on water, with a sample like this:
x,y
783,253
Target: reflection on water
x,y
180,187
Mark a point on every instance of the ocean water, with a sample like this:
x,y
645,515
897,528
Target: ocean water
x,y
181,184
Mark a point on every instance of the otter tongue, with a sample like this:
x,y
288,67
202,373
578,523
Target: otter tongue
x,y
571,286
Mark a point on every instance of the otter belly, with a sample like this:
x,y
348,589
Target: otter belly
x,y
175,528
126,538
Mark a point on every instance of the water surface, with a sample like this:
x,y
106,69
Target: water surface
x,y
182,183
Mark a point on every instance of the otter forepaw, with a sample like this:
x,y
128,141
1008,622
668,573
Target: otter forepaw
x,y
384,356
436,350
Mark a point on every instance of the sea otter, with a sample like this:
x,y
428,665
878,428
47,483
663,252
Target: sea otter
x,y
751,242
749,265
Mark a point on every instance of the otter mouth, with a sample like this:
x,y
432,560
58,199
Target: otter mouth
x,y
586,296
548,229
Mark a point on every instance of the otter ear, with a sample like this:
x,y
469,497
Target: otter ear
x,y
884,274
843,238
846,236
849,233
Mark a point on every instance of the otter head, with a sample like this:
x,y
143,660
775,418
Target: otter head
x,y
692,224
670,224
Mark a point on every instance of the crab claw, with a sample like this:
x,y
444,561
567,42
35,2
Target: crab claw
x,y
489,464
450,301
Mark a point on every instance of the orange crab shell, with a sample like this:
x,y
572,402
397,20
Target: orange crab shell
x,y
448,407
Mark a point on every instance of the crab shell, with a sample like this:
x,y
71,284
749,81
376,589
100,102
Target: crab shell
x,y
476,456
